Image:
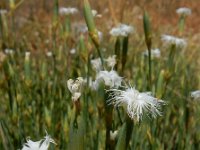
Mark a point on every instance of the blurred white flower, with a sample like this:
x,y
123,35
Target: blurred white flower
x,y
3,11
110,78
9,51
27,55
111,61
68,11
75,87
137,104
38,145
96,64
184,11
100,35
49,54
121,30
73,51
92,84
155,53
95,14
171,40
113,134
195,95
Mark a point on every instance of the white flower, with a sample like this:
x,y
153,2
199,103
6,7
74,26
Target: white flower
x,y
111,61
100,35
27,55
113,134
9,51
3,11
38,145
92,84
110,78
195,95
67,11
96,64
73,51
121,30
75,87
171,40
137,104
184,11
49,54
155,53
95,14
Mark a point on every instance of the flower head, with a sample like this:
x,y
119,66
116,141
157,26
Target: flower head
x,y
111,61
75,87
68,11
184,11
137,104
171,40
95,14
195,95
121,30
3,11
38,145
155,53
49,54
113,134
110,78
96,64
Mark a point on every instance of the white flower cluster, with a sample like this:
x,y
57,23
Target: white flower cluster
x,y
195,95
184,11
68,11
137,104
155,53
171,40
110,78
121,30
38,145
75,87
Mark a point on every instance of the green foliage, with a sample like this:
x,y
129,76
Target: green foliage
x,y
34,94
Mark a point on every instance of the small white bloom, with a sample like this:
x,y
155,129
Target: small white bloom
x,y
3,11
38,145
111,61
155,53
27,55
100,35
95,14
92,84
184,11
137,104
75,87
113,134
195,95
121,30
110,78
96,64
9,51
68,11
73,51
49,54
171,40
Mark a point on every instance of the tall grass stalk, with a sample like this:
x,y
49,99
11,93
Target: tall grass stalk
x,y
148,37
